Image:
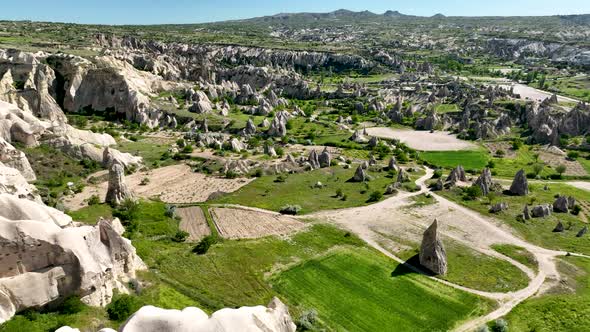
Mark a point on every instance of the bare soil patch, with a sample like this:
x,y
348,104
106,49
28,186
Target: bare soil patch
x,y
423,140
172,184
554,160
236,223
193,222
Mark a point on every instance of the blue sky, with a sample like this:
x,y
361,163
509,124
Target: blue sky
x,y
196,11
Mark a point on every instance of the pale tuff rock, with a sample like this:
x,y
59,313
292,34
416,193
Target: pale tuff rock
x,y
372,160
14,208
111,156
278,127
273,318
11,157
359,137
236,145
117,190
402,176
313,159
325,158
12,182
484,181
265,123
541,211
238,166
456,175
250,128
432,252
563,204
373,141
520,184
270,150
54,263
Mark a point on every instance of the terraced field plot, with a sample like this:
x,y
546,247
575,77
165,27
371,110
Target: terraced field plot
x,y
248,224
193,221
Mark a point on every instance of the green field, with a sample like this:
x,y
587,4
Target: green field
x,y
144,147
469,268
537,230
469,159
560,310
363,291
519,254
265,192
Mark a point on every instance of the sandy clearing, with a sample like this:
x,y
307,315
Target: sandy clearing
x,y
534,94
423,140
173,184
236,223
194,222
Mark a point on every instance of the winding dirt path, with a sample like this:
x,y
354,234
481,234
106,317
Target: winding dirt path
x,y
461,224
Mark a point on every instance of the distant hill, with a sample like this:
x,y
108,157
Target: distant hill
x,y
337,15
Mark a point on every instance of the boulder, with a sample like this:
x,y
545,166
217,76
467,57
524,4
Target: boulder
x,y
117,190
360,175
392,164
432,252
313,159
559,227
541,211
498,207
520,185
582,231
526,214
562,204
325,158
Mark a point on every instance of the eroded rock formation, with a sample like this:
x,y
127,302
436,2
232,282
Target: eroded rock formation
x,y
432,252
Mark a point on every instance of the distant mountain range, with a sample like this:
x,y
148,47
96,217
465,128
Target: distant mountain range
x,y
345,14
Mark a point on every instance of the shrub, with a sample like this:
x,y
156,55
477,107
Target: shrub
x,y
290,209
500,153
500,325
187,149
339,192
127,210
437,174
344,197
573,155
203,246
281,178
516,144
231,174
471,193
307,320
561,169
71,305
170,211
122,306
576,210
538,168
375,196
94,200
491,164
144,181
180,236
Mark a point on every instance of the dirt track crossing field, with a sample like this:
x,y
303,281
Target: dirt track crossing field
x,y
236,223
193,221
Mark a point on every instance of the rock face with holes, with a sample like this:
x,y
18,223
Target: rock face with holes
x,y
520,185
117,191
432,252
45,260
